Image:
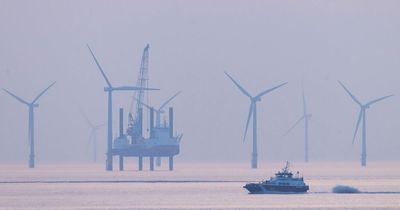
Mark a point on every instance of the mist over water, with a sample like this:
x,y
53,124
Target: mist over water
x,y
196,185
192,43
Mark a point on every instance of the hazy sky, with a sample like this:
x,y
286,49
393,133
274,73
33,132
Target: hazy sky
x,y
192,43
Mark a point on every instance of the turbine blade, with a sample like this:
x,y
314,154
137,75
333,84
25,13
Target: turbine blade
x,y
180,137
269,90
351,95
169,100
240,87
37,97
91,136
29,137
87,119
91,140
145,105
304,101
99,126
16,97
248,120
358,124
297,122
29,132
31,126
379,99
98,65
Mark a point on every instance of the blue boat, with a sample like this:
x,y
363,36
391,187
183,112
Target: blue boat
x,y
284,182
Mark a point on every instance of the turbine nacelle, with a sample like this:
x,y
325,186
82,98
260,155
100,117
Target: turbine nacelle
x,y
257,99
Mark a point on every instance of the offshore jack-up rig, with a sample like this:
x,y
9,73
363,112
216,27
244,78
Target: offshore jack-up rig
x,y
160,141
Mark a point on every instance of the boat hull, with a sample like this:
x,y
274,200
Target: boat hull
x,y
258,188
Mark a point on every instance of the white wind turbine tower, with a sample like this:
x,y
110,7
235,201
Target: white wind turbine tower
x,y
306,116
31,123
361,116
253,113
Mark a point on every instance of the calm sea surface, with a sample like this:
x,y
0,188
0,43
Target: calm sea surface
x,y
194,186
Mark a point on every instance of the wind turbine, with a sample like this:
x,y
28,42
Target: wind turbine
x,y
306,116
31,136
253,113
361,116
109,89
93,135
159,111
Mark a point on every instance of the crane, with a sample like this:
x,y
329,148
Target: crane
x,y
134,127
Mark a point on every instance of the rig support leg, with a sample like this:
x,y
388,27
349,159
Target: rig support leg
x,y
151,163
140,163
121,163
109,163
171,163
158,161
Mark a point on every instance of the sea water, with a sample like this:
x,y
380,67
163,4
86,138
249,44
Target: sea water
x,y
195,186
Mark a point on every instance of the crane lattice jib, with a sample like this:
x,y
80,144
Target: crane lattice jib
x,y
142,82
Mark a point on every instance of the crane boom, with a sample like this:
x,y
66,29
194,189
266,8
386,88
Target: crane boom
x,y
139,96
